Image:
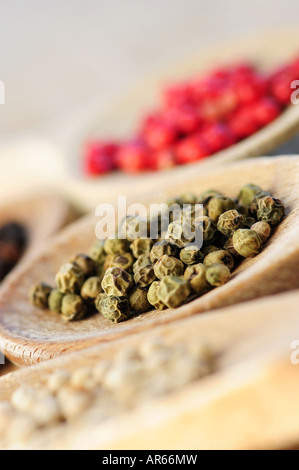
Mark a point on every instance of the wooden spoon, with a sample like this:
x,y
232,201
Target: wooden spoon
x,y
266,50
29,335
250,402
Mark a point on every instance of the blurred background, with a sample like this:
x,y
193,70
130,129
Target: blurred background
x,y
59,57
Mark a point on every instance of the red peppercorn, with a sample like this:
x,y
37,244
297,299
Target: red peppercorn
x,y
218,136
243,122
185,119
100,157
178,95
191,149
266,110
159,134
134,157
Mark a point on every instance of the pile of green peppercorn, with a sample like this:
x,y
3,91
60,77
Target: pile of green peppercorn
x,y
121,277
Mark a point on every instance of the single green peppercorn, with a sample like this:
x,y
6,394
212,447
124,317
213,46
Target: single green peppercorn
x,y
98,301
219,205
134,227
257,197
85,263
168,266
138,300
191,254
91,288
69,278
122,260
73,307
173,291
153,298
114,246
204,225
180,233
115,308
218,274
229,222
162,248
188,198
55,301
117,282
39,295
141,246
247,194
205,197
218,257
143,260
145,276
247,242
270,210
263,229
196,276
97,252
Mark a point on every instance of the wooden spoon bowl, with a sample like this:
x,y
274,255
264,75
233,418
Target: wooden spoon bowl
x,y
29,335
119,120
249,402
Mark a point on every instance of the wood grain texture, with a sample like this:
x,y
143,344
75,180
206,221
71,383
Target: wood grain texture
x,y
121,118
29,335
250,402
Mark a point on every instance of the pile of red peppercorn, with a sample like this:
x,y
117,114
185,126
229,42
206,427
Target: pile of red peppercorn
x,y
198,118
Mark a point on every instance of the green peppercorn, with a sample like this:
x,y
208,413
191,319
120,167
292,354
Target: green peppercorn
x,y
259,195
162,248
73,307
134,227
152,296
270,210
143,260
122,260
113,246
205,197
39,295
218,274
196,276
218,257
115,308
247,242
69,278
145,276
188,198
138,300
87,265
98,301
263,229
207,227
191,254
180,233
247,194
168,266
97,252
117,282
173,291
141,246
91,288
218,205
55,301
229,222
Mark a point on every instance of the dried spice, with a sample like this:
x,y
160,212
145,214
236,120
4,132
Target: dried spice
x,y
133,275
